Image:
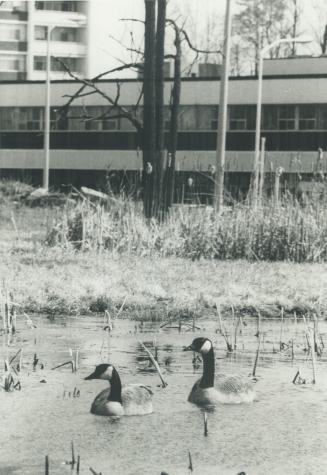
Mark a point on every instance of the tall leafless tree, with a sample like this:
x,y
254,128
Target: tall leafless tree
x,y
260,22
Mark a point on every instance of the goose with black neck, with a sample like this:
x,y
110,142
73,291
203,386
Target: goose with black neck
x,y
229,389
118,400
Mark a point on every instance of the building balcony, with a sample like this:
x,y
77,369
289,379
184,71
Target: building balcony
x,y
42,17
13,46
60,48
13,15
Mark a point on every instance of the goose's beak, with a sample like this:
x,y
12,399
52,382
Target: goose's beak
x,y
91,376
188,348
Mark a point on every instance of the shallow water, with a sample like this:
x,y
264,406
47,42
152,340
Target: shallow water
x,y
283,432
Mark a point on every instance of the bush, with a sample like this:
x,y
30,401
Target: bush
x,y
15,189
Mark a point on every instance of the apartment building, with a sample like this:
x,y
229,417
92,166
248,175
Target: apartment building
x,y
23,39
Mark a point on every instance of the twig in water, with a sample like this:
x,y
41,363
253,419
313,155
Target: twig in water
x,y
73,361
281,328
256,357
313,356
19,352
94,472
35,361
258,333
47,465
121,307
296,376
205,421
298,379
190,467
223,331
73,455
109,324
78,464
155,364
63,364
235,333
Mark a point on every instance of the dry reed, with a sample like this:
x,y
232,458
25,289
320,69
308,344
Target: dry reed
x,y
290,232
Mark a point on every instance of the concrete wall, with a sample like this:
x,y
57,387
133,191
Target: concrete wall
x,y
304,162
243,91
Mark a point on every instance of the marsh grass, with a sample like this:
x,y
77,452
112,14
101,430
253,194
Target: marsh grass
x,y
288,232
157,267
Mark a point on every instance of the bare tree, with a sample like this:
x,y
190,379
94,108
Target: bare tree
x,y
151,128
295,11
319,24
260,22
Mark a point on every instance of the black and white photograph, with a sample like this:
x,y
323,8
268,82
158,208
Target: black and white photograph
x,y
163,237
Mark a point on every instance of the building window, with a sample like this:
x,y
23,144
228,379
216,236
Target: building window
x,y
12,63
68,6
40,63
101,124
286,117
214,117
269,117
30,118
241,117
65,34
74,64
109,124
40,33
307,117
12,32
322,117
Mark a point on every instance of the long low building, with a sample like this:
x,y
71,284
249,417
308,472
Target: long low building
x,y
294,122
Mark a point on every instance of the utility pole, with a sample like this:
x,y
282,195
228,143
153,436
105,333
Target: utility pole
x,y
222,116
149,110
46,165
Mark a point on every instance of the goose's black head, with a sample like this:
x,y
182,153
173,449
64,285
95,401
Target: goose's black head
x,y
200,345
102,371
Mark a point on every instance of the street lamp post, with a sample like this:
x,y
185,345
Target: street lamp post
x,y
72,23
47,114
222,114
259,107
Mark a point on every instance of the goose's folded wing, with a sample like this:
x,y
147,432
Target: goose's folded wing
x,y
136,393
233,384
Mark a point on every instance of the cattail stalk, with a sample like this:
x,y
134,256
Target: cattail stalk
x,y
313,356
256,357
155,364
281,328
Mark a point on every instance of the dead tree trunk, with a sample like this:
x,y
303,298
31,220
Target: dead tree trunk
x,y
149,131
160,115
173,133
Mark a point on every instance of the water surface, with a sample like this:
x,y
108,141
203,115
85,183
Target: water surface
x,y
283,432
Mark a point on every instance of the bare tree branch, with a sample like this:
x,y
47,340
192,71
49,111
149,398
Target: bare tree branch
x,y
91,83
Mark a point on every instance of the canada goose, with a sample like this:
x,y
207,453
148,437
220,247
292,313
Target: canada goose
x,y
228,390
132,399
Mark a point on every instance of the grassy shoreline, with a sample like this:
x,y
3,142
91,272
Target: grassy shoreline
x,y
55,283
59,280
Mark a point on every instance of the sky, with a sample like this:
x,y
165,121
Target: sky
x,y
105,23
107,30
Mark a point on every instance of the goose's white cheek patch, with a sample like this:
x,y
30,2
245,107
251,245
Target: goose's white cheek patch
x,y
107,374
206,347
